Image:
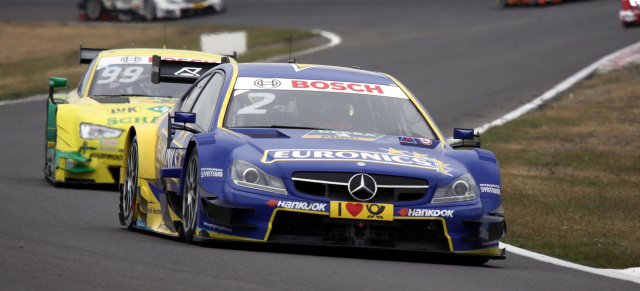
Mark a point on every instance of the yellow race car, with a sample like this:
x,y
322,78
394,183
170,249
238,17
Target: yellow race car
x,y
84,132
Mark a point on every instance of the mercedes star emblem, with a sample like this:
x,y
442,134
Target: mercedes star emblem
x,y
362,187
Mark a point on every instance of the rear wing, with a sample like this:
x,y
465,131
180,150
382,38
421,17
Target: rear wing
x,y
165,71
88,54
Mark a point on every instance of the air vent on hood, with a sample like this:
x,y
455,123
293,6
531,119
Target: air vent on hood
x,y
111,100
261,132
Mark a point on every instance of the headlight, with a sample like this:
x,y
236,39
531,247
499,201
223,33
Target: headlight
x,y
247,175
92,131
462,189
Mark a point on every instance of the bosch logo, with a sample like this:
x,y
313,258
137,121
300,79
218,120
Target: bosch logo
x,y
267,83
362,187
131,59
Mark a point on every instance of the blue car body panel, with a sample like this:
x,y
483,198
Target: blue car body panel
x,y
315,213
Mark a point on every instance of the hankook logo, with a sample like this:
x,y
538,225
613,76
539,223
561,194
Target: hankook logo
x,y
362,187
267,83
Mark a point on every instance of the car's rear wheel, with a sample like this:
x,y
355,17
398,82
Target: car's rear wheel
x,y
190,201
129,191
93,9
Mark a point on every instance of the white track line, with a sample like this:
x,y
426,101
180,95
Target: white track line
x,y
334,40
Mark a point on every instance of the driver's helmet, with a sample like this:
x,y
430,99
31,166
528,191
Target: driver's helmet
x,y
338,116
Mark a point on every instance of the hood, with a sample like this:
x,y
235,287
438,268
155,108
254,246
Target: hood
x,y
285,151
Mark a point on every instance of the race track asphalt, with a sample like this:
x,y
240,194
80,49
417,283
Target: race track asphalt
x,y
466,60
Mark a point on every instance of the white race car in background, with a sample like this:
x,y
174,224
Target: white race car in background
x,y
146,9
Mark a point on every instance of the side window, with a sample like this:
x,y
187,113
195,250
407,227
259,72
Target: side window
x,y
206,105
85,78
193,95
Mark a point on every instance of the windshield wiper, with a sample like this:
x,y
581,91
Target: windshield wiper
x,y
281,126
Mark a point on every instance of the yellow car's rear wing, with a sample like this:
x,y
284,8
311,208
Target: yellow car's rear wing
x,y
87,55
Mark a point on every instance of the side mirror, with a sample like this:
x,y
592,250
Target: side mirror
x,y
467,136
185,117
55,82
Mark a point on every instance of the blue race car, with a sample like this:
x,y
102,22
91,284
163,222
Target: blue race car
x,y
308,154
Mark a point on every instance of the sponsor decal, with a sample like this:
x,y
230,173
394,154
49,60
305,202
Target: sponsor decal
x,y
158,101
107,149
218,227
184,60
413,212
387,156
160,109
267,83
368,211
188,72
131,59
141,223
106,156
298,205
490,188
210,173
153,210
109,142
124,110
336,134
246,83
418,141
131,120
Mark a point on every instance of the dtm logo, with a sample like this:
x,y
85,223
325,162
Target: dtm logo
x,y
298,205
425,212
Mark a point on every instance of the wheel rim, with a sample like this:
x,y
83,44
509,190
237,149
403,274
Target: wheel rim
x,y
190,207
130,184
93,9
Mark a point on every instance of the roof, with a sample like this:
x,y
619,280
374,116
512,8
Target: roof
x,y
311,72
162,52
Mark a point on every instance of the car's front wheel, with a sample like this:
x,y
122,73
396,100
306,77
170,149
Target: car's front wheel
x,y
129,191
50,165
190,200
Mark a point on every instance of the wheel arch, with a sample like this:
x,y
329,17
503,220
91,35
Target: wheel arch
x,y
147,136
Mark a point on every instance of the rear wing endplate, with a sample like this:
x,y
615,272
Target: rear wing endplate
x,y
165,71
88,54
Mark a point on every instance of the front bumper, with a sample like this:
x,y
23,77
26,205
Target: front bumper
x,y
288,219
90,167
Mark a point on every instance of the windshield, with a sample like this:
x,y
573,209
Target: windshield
x,y
130,76
326,110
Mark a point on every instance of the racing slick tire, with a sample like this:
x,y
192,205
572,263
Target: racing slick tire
x,y
149,10
93,9
190,203
50,165
129,191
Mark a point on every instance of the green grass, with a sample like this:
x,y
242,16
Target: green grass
x,y
571,170
25,72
